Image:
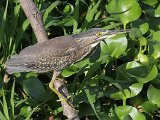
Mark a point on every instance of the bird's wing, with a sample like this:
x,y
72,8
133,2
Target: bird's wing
x,y
59,46
42,54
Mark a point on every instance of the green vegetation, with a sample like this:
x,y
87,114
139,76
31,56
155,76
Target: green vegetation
x,y
121,80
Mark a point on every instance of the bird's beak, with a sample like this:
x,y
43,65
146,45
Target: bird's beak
x,y
115,32
112,33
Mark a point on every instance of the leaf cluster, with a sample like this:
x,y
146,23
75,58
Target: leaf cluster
x,y
119,81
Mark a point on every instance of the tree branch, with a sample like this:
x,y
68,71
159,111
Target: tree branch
x,y
68,109
35,18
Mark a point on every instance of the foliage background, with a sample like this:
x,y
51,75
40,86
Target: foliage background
x,y
121,80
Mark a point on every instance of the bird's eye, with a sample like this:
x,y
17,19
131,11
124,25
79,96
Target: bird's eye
x,y
98,34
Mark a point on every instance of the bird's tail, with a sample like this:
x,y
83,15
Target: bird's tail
x,y
16,64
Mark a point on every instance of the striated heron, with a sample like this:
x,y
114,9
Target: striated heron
x,y
59,52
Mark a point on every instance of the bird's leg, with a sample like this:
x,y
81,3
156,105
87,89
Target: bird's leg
x,y
51,84
55,75
57,86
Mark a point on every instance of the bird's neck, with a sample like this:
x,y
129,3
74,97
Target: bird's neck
x,y
87,41
94,44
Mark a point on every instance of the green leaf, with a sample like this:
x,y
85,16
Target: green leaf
x,y
53,22
68,22
149,107
135,33
31,112
49,9
135,89
2,116
25,111
144,59
152,75
154,49
143,44
110,80
5,106
76,16
93,69
21,32
124,10
15,18
91,99
123,111
157,12
3,22
117,45
144,27
34,88
156,36
68,8
82,63
153,95
133,67
137,71
12,100
92,10
150,2
118,96
136,115
85,109
69,71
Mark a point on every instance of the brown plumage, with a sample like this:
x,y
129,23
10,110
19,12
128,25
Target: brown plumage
x,y
57,53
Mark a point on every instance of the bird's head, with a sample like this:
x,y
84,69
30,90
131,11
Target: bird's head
x,y
94,35
101,34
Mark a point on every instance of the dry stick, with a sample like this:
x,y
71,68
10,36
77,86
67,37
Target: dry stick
x,y
70,112
35,18
5,79
60,87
